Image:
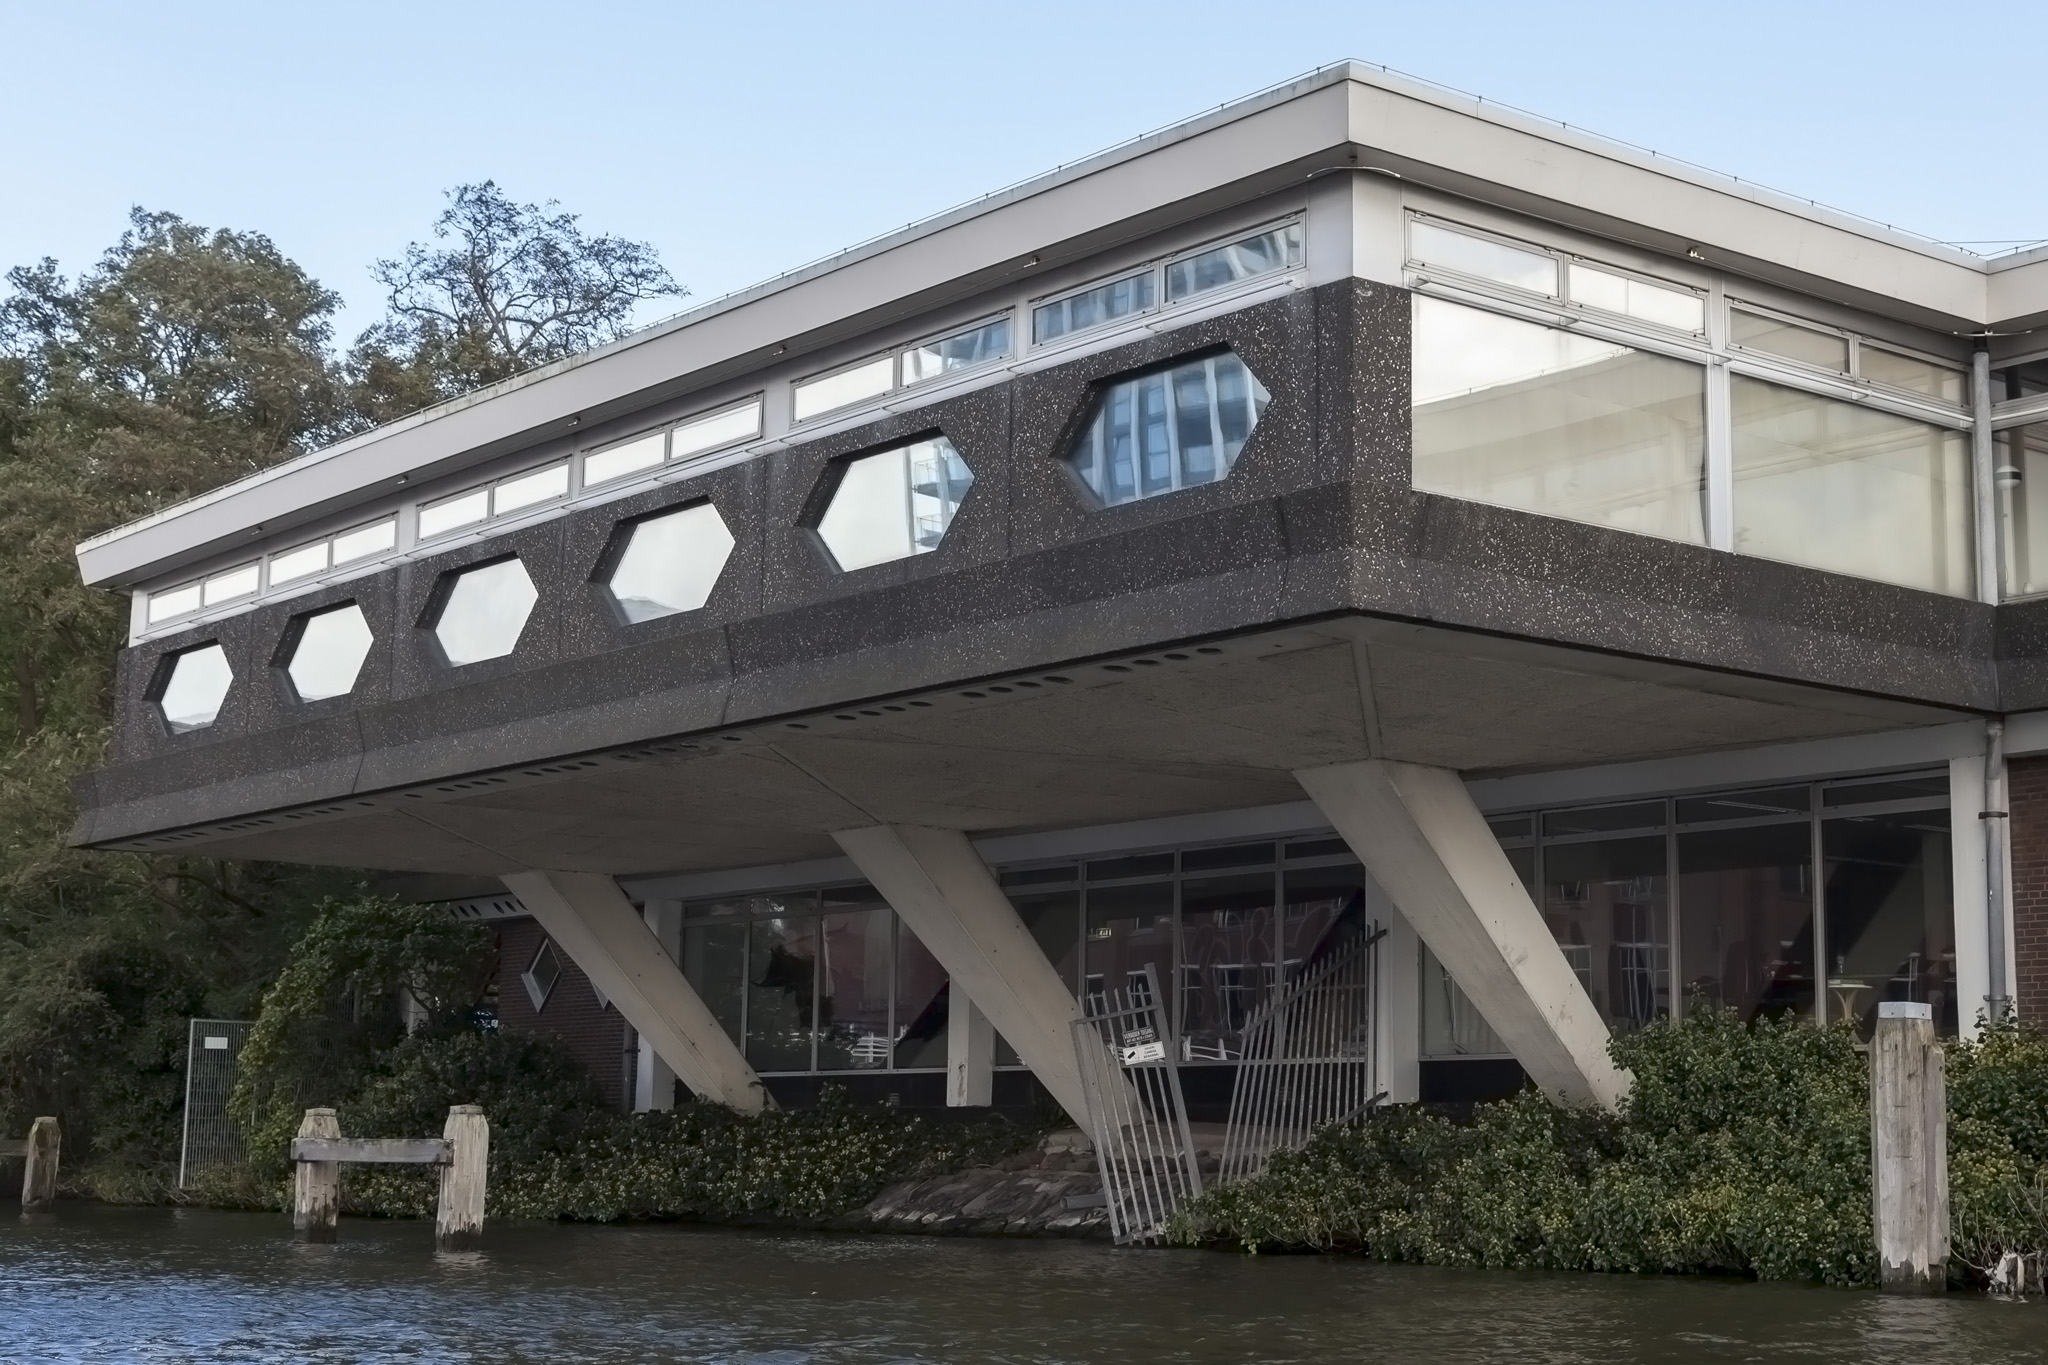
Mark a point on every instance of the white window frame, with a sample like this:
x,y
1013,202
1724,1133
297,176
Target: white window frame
x,y
894,355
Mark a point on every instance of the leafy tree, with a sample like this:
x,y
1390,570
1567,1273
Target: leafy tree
x,y
504,287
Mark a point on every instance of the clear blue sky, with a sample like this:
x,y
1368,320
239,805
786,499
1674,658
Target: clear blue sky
x,y
743,139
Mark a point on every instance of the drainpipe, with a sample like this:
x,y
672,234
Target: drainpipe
x,y
1996,821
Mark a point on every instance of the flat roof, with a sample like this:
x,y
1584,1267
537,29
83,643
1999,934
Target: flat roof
x,y
1342,116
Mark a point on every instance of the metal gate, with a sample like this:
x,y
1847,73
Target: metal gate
x,y
1310,1057
212,1136
1131,1079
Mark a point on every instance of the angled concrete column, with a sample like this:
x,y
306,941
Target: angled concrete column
x,y
951,901
654,1083
591,920
970,1054
1419,834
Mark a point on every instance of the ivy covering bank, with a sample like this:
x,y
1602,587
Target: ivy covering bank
x,y
1741,1149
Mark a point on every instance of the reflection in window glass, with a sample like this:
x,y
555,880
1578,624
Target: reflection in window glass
x,y
2020,465
1480,257
895,503
1093,307
1661,304
715,962
670,563
1910,373
782,968
853,981
923,999
540,976
829,391
1605,902
1227,961
1321,907
1745,918
1843,487
330,653
1827,350
1241,260
1545,420
1451,1023
1129,928
1890,916
464,509
990,341
1054,919
1177,428
485,612
196,688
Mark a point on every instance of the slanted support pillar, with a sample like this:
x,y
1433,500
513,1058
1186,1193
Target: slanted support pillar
x,y
1418,832
970,1053
939,885
1909,1150
654,1083
587,915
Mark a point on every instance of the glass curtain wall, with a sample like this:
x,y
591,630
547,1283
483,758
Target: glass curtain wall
x,y
1714,899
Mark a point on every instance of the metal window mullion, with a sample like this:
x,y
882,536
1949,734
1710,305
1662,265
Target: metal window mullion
x,y
1720,435
1984,479
1820,916
1676,1009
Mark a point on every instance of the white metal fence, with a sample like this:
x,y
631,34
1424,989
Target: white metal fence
x,y
213,1136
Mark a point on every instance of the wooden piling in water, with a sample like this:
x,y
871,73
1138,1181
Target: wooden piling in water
x,y
39,1171
1909,1150
316,1185
459,1222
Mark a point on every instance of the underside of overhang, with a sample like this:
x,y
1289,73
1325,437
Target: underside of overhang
x,y
1213,726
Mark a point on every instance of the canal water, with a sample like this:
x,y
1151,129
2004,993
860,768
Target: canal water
x,y
99,1284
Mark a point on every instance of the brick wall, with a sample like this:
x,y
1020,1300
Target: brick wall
x,y
571,1013
2027,797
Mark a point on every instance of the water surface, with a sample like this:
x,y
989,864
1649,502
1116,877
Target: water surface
x,y
101,1284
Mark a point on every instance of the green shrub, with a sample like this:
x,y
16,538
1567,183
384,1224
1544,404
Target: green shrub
x,y
1742,1148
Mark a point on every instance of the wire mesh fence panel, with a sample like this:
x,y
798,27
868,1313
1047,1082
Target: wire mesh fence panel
x,y
1130,1078
213,1138
1311,1057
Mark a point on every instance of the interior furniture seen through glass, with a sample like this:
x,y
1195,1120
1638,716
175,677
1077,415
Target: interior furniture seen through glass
x,y
1175,428
329,654
1844,487
1551,421
895,503
485,612
196,687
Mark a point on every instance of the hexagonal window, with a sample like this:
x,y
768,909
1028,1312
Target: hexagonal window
x,y
329,653
670,562
194,687
485,612
895,503
1171,429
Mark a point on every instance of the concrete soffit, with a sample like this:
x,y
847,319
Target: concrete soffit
x,y
1341,116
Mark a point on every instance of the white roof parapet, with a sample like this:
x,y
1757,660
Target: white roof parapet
x,y
1237,151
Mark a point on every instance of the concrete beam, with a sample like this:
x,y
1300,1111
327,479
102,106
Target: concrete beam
x,y
654,1081
1419,833
591,920
952,902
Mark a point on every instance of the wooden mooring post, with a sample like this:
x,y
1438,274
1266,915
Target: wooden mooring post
x,y
462,1152
1909,1150
39,1155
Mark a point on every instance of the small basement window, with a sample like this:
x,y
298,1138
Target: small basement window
x,y
540,977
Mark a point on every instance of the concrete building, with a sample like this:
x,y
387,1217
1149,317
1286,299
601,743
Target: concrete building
x,y
1361,503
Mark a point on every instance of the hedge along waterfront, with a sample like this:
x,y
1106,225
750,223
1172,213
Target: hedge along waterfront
x,y
1741,1149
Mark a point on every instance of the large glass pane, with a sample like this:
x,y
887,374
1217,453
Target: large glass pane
x,y
1843,487
782,968
373,539
715,960
464,509
922,996
1745,918
329,654
1093,307
1605,901
1320,908
1911,373
485,612
1483,258
1241,260
1542,419
2020,460
1890,915
1129,928
1809,346
670,563
1226,961
990,341
642,452
196,688
1054,919
526,490
853,981
1451,1025
865,380
1666,306
1172,429
741,422
895,503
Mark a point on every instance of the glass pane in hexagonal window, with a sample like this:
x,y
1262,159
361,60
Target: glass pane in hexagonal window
x,y
197,686
330,653
486,610
670,563
895,504
1171,429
